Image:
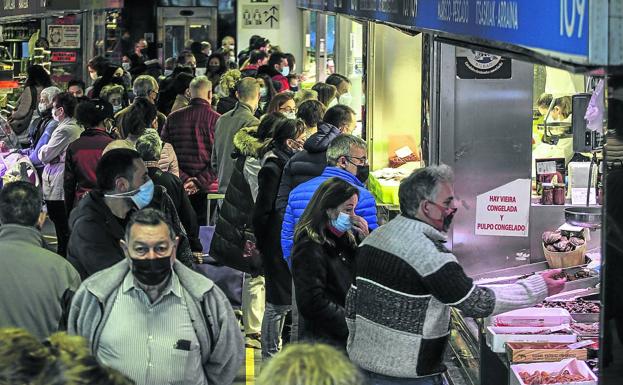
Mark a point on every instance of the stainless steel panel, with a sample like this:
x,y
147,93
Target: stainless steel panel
x,y
486,137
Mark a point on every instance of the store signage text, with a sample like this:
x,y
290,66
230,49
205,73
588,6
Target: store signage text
x,y
64,57
504,211
568,17
559,27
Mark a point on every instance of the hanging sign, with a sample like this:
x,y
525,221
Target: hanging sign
x,y
260,16
64,57
472,64
558,27
64,36
504,211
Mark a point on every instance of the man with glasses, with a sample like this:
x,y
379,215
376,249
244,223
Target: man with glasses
x,y
346,159
154,319
398,309
144,86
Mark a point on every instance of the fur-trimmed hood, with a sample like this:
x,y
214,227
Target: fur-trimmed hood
x,y
246,143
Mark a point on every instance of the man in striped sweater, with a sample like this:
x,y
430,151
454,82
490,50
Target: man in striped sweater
x,y
398,309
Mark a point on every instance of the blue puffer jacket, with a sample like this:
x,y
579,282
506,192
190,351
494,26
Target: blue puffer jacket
x,y
302,194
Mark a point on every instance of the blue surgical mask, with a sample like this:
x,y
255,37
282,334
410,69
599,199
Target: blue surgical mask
x,y
342,223
285,71
141,197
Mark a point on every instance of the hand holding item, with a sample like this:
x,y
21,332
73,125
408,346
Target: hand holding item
x,y
360,225
191,186
554,286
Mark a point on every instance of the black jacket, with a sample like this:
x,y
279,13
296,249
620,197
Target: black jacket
x,y
226,104
308,163
235,214
96,232
175,188
267,225
322,275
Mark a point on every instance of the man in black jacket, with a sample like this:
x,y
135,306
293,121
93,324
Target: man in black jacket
x,y
312,161
98,222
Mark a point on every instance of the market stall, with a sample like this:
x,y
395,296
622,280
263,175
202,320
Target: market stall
x,y
529,183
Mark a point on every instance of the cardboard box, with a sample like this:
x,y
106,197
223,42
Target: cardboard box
x,y
497,337
542,352
533,317
573,365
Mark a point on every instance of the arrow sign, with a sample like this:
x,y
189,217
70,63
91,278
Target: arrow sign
x,y
274,9
272,19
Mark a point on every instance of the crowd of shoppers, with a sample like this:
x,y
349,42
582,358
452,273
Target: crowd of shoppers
x,y
127,166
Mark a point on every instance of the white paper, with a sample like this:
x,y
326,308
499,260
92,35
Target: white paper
x,y
578,196
504,211
546,167
403,152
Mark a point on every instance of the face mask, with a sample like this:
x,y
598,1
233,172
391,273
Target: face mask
x,y
151,271
168,72
346,99
55,115
447,214
125,66
290,115
363,172
141,197
342,223
116,108
42,107
93,75
214,68
285,71
294,88
200,71
263,92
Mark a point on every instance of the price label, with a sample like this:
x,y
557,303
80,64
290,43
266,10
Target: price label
x,y
546,167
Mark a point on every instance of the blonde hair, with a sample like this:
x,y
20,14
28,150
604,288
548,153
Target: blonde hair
x,y
310,364
229,80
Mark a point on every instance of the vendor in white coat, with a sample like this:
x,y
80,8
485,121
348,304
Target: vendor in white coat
x,y
560,113
52,155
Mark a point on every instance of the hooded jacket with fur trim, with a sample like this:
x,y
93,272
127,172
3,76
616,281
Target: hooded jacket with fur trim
x,y
235,215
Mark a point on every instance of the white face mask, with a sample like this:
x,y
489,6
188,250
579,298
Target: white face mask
x,y
125,66
116,108
93,75
55,115
42,107
168,72
290,115
346,99
200,71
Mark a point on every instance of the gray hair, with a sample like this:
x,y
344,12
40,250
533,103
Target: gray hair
x,y
199,83
148,217
143,85
341,146
422,184
149,145
50,92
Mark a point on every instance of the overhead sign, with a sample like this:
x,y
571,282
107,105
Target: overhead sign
x,y
64,36
64,57
504,211
556,26
256,16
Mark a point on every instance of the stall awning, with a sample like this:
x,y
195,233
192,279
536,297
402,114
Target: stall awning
x,y
571,31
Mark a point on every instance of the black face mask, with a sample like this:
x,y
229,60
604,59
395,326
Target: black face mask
x,y
363,172
151,271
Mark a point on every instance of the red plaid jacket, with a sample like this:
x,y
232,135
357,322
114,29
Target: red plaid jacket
x,y
190,131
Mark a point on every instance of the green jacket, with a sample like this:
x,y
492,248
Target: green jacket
x,y
220,339
36,285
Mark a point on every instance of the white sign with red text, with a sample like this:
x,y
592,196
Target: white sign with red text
x,y
504,211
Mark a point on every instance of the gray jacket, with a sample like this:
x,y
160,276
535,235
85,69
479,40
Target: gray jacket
x,y
220,339
226,127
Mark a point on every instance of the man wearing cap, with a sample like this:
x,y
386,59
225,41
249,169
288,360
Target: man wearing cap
x,y
83,154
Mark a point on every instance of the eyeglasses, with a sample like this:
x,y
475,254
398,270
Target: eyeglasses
x,y
363,160
288,110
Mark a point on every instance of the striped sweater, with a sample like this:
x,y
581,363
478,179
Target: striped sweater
x,y
398,309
